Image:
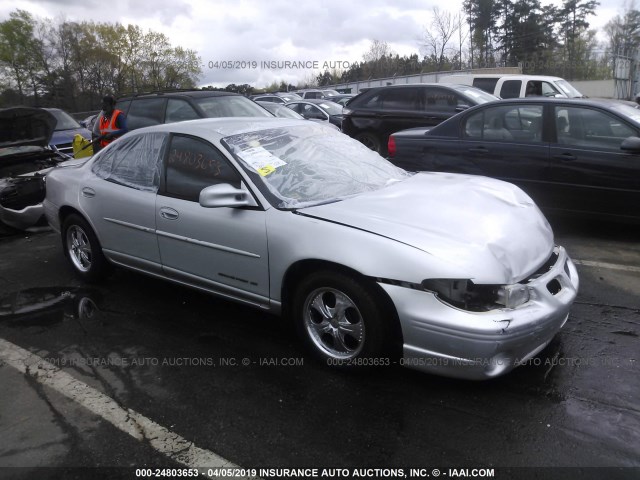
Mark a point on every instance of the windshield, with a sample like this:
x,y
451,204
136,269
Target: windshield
x,y
331,108
304,165
628,111
330,93
568,89
289,96
64,121
230,106
475,94
280,110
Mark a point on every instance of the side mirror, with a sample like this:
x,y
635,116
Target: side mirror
x,y
630,145
461,108
225,195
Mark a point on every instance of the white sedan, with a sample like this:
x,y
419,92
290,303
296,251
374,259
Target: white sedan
x,y
452,274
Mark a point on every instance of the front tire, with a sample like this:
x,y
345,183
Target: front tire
x,y
82,248
340,319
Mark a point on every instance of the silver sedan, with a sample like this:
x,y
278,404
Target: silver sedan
x,y
451,274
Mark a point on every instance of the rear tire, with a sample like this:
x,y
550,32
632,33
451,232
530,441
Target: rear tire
x,y
370,141
82,248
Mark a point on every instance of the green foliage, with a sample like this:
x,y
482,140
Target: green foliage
x,y
72,65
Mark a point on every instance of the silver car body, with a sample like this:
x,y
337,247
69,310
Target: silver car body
x,y
427,226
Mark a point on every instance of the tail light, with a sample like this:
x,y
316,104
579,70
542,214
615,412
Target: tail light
x,y
391,146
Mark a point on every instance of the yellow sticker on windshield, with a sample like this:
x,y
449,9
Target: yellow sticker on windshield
x,y
266,170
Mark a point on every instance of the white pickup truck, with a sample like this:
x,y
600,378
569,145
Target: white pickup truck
x,y
516,86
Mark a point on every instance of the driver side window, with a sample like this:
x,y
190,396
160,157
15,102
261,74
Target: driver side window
x,y
588,128
193,164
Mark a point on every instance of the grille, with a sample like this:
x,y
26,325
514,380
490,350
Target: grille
x,y
64,148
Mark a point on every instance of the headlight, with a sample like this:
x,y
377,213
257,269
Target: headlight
x,y
469,296
512,296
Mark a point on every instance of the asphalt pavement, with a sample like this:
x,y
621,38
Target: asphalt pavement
x,y
137,377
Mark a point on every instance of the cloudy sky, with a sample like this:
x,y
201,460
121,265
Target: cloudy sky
x,y
236,31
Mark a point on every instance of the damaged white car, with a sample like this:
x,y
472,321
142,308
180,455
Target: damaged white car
x,y
451,274
25,158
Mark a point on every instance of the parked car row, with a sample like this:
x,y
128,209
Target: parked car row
x,y
377,113
576,157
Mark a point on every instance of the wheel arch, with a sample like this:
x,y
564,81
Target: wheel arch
x,y
67,210
301,268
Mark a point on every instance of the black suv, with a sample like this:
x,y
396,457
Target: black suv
x,y
377,113
144,110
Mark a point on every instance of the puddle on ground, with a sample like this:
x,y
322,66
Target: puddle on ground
x,y
48,306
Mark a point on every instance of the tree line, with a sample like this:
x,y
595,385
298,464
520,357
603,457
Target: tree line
x,y
72,64
543,40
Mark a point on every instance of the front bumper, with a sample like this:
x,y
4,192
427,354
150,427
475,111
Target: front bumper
x,y
24,218
445,340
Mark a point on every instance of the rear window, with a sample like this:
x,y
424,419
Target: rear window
x,y
475,95
511,89
230,106
486,84
64,121
123,105
401,99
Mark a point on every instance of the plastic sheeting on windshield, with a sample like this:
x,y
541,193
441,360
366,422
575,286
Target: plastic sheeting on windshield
x,y
133,161
309,164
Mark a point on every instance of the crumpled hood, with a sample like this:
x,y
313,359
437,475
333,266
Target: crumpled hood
x,y
488,228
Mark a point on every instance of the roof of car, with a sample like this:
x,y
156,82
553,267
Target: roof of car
x,y
223,127
510,75
595,102
310,100
406,85
179,93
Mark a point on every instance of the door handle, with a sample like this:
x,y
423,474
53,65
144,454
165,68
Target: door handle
x,y
88,192
478,150
565,157
169,213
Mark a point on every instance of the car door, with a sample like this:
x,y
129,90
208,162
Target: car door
x,y
440,104
220,249
119,196
500,141
589,171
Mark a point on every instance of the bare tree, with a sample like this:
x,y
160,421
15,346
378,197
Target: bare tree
x,y
377,51
378,60
436,37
